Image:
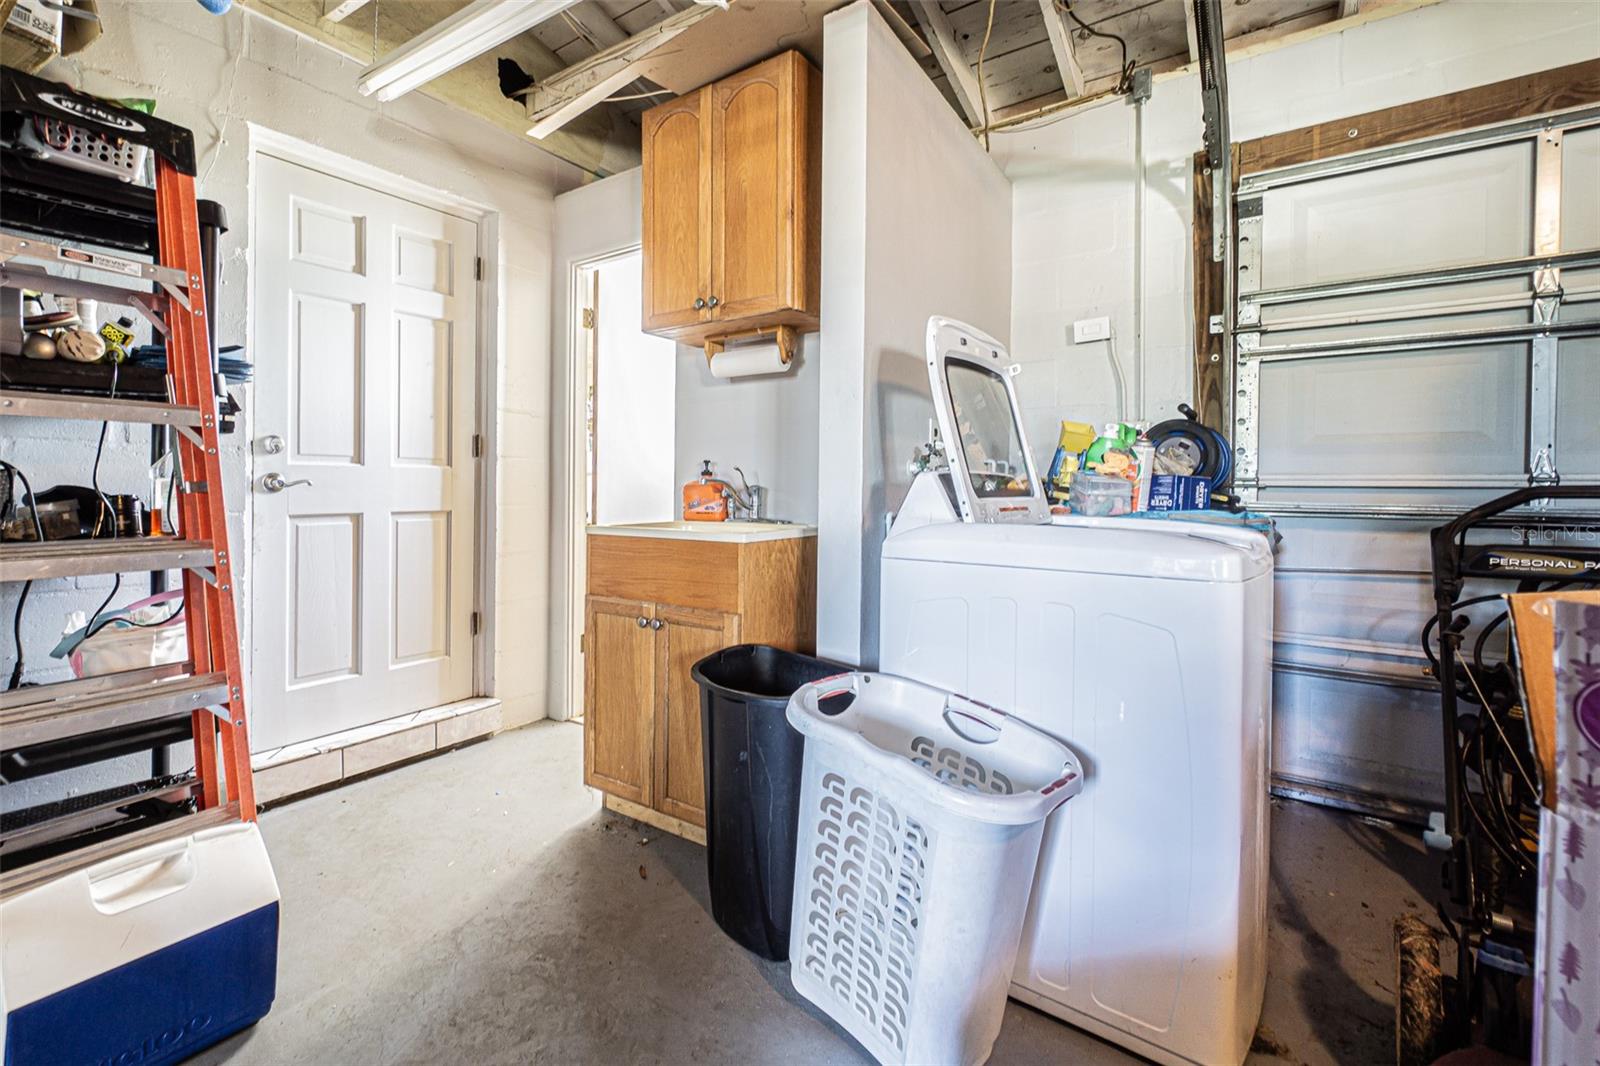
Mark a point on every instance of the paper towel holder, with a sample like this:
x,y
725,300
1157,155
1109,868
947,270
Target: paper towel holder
x,y
788,338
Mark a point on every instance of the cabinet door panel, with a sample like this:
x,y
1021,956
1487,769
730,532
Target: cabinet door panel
x,y
686,637
676,141
619,698
753,127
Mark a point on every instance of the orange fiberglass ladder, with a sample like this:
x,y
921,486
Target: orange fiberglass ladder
x,y
139,922
210,685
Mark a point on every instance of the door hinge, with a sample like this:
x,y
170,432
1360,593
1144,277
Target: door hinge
x,y
477,445
581,647
477,622
477,269
588,318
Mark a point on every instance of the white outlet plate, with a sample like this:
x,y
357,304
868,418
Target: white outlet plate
x,y
1085,330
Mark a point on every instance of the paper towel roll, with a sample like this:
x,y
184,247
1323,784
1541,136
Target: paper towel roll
x,y
748,360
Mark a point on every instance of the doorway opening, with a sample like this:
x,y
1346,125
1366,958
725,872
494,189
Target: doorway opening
x,y
629,395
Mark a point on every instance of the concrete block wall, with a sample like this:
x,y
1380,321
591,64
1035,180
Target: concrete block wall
x,y
222,76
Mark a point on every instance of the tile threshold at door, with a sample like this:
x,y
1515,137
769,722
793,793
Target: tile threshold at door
x,y
314,764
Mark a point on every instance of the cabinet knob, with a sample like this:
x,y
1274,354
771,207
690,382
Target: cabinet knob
x,y
642,621
713,302
699,303
656,623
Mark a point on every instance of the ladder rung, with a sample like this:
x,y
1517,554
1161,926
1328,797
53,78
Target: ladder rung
x,y
41,721
95,408
14,882
109,262
32,561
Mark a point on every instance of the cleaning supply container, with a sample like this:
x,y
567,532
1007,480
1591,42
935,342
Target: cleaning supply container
x,y
752,774
921,814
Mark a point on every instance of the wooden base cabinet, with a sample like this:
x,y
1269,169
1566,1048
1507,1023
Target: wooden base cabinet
x,y
641,706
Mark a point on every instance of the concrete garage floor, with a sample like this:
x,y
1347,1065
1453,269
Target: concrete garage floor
x,y
480,907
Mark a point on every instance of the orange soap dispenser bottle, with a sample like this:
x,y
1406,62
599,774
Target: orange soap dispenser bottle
x,y
703,499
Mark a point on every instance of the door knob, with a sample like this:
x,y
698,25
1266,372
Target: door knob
x,y
273,482
699,303
713,302
643,621
656,623
272,444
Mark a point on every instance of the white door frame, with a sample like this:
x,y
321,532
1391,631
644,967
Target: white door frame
x,y
486,359
571,505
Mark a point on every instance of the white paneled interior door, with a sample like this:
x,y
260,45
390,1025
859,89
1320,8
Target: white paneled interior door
x,y
361,582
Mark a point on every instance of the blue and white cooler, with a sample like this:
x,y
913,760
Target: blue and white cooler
x,y
141,950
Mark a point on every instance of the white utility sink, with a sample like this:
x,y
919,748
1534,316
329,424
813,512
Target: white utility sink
x,y
731,532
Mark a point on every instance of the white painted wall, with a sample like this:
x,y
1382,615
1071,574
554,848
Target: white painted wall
x,y
634,417
217,76
917,221
766,426
1073,257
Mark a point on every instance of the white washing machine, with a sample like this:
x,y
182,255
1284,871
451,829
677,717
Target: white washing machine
x,y
1146,646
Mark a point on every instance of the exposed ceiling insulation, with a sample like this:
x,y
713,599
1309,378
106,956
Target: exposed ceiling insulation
x,y
597,65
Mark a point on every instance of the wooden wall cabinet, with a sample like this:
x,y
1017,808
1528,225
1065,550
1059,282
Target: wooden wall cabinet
x,y
655,607
732,204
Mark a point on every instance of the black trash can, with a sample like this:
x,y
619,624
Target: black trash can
x,y
752,768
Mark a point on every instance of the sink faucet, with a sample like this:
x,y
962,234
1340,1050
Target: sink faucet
x,y
749,507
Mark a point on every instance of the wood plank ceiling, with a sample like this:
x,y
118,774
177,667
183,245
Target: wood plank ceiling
x,y
1021,70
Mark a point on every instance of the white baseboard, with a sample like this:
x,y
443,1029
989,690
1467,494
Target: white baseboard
x,y
282,773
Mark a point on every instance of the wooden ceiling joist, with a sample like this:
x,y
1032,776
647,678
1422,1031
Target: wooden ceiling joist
x,y
947,51
559,99
343,9
596,25
1055,23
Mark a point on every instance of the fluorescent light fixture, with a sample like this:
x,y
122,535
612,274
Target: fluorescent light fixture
x,y
470,32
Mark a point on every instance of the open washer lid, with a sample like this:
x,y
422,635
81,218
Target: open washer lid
x,y
990,464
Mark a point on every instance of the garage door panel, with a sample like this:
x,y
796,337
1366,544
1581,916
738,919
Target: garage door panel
x,y
1447,211
1580,170
1448,412
1578,407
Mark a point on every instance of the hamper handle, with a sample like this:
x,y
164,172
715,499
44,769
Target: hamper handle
x,y
972,721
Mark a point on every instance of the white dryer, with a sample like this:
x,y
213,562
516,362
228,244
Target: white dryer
x,y
1145,645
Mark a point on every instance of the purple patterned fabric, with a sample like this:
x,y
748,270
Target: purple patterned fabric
x,y
1567,956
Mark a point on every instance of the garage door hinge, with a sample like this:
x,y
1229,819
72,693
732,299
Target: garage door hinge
x,y
588,318
477,268
477,445
477,622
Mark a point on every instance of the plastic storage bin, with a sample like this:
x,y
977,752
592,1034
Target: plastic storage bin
x,y
1099,494
921,816
752,772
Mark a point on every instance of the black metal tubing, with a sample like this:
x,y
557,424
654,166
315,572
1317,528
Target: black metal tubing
x,y
1448,545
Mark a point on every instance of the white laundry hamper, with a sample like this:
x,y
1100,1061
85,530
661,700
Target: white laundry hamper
x,y
921,814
